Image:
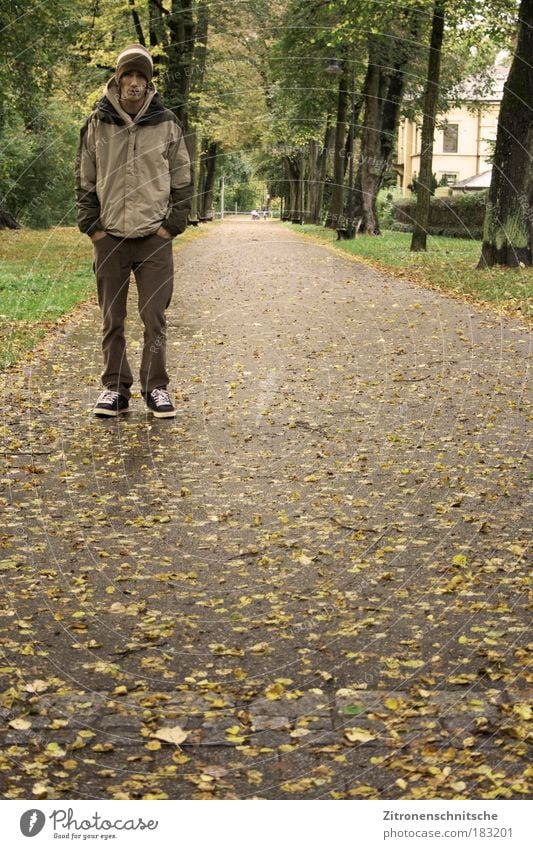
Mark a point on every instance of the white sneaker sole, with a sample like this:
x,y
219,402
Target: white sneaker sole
x,y
168,415
101,414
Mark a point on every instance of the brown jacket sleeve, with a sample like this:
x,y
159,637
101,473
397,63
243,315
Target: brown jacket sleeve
x,y
87,203
181,186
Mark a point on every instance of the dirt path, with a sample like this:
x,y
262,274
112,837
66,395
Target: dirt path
x,y
318,570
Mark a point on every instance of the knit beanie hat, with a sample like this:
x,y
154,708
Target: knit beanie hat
x,y
135,58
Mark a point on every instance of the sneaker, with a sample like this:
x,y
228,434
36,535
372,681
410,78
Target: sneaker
x,y
158,401
111,403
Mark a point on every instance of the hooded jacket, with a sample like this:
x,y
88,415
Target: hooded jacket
x,y
133,174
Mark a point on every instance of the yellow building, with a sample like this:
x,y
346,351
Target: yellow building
x,y
463,137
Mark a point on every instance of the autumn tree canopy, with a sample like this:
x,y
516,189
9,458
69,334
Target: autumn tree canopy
x,y
249,82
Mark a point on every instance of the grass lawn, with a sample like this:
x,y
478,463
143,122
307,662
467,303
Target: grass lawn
x,y
448,265
44,274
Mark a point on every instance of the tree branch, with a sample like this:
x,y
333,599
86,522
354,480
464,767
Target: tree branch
x,y
137,23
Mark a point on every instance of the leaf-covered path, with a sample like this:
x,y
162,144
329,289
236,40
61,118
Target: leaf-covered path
x,y
315,576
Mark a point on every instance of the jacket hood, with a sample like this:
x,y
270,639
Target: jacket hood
x,y
110,103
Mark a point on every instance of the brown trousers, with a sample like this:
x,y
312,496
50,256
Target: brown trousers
x,y
150,259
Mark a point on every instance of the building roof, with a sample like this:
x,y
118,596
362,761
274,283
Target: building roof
x,y
485,87
480,181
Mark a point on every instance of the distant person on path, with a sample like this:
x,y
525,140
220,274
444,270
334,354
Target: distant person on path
x,y
133,189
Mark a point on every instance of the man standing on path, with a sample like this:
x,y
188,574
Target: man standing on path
x,y
133,189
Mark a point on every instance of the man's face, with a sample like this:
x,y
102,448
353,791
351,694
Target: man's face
x,y
133,86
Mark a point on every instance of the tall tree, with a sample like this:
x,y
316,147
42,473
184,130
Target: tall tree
x,y
431,100
35,132
508,228
388,58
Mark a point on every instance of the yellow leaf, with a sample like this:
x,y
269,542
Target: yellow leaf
x,y
455,582
359,735
103,747
254,776
54,750
37,686
179,758
392,703
40,790
460,560
523,711
20,724
174,735
364,790
259,648
304,560
463,678
153,745
274,691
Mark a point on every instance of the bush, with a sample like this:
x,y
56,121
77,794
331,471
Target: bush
x,y
459,215
37,167
385,206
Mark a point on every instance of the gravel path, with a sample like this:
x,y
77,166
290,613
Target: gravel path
x,y
317,572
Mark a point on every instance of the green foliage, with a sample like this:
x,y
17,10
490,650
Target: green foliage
x,y
37,131
458,215
36,176
385,206
259,83
414,185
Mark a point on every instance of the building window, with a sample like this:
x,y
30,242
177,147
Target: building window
x,y
448,179
450,138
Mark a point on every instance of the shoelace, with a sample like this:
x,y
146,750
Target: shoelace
x,y
108,396
161,397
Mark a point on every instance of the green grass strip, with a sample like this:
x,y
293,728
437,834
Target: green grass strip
x,y
448,265
44,275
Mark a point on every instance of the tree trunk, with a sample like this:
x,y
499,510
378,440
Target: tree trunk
x,y
329,138
339,158
191,140
314,161
156,27
431,99
369,171
200,48
206,180
318,158
508,226
391,115
137,23
292,170
7,222
180,51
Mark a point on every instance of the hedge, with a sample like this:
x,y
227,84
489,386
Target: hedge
x,y
458,215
